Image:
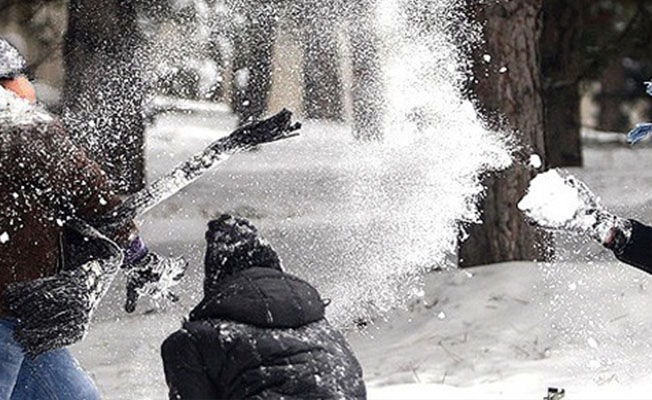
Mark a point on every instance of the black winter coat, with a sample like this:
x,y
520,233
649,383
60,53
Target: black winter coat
x,y
262,336
638,250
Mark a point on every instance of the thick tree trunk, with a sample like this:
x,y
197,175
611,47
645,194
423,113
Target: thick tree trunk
x,y
104,89
510,86
252,64
611,97
322,80
368,93
560,65
218,91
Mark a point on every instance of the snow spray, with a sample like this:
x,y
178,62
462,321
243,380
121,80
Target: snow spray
x,y
408,195
401,201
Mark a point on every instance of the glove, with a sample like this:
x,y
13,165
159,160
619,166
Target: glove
x,y
56,311
609,230
592,220
149,274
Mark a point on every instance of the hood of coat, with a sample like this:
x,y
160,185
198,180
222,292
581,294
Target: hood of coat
x,y
263,297
15,111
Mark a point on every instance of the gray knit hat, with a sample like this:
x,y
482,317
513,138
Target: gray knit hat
x,y
12,63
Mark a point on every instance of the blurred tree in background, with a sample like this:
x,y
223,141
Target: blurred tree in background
x,y
104,88
561,63
616,53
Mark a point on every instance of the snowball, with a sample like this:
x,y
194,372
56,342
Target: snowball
x,y
550,200
4,238
441,315
535,161
503,70
487,57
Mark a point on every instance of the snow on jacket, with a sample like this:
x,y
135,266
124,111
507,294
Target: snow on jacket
x,y
262,336
44,179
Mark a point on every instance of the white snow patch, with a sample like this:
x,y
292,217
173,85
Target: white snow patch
x,y
592,343
4,237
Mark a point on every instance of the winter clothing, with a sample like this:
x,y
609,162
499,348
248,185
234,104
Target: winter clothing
x,y
44,181
259,332
233,245
637,249
55,374
12,62
55,311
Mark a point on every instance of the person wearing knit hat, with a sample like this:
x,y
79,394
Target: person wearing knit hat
x,y
259,331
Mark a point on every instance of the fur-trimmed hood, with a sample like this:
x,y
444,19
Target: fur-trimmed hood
x,y
12,63
15,111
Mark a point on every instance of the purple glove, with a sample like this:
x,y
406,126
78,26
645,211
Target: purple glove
x,y
135,252
149,274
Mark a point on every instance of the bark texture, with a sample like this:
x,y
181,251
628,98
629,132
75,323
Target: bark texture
x,y
561,67
104,87
368,87
252,64
509,86
611,97
322,78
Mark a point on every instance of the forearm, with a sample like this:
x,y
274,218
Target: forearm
x,y
637,250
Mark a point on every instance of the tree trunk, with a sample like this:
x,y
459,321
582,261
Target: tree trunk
x,y
104,89
509,86
322,81
252,64
611,97
368,94
560,65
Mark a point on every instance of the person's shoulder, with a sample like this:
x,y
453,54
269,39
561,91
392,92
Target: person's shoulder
x,y
178,340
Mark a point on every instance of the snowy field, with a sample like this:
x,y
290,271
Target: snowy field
x,y
505,331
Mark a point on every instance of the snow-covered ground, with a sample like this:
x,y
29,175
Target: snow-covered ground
x,y
501,331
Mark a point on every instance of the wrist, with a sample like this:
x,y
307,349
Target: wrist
x,y
617,236
136,250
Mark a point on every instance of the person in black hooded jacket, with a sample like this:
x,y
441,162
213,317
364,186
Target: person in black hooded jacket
x,y
259,332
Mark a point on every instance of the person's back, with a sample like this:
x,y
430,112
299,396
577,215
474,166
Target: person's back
x,y
259,332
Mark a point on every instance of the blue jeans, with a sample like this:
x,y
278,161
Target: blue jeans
x,y
52,375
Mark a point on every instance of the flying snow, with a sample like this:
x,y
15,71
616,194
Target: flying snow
x,y
409,195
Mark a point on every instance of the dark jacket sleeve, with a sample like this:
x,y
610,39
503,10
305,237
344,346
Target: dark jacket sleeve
x,y
638,249
185,372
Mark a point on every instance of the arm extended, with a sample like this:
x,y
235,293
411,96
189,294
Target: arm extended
x,y
635,250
